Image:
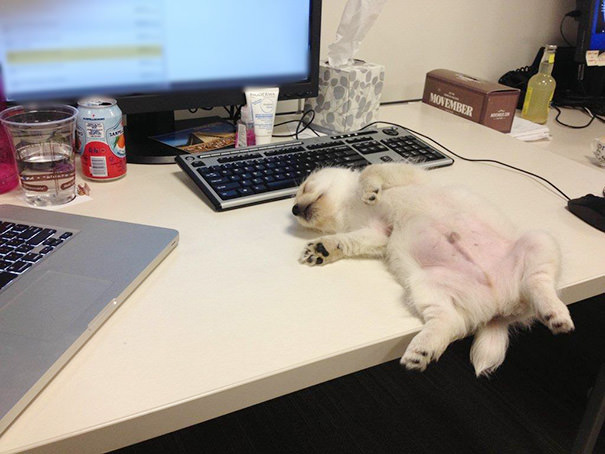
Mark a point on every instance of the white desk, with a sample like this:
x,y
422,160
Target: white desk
x,y
231,319
574,143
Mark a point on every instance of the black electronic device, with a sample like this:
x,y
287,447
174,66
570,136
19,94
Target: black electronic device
x,y
156,57
586,86
591,27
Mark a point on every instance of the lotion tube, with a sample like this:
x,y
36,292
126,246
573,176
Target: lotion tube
x,y
262,102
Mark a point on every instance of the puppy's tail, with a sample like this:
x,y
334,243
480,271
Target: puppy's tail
x,y
489,347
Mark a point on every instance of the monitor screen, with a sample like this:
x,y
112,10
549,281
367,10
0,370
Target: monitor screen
x,y
598,33
591,28
70,48
157,56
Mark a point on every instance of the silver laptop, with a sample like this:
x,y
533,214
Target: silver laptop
x,y
62,276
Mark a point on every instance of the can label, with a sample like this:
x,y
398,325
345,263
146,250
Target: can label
x,y
100,136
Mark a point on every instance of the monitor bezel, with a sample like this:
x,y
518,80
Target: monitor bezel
x,y
586,22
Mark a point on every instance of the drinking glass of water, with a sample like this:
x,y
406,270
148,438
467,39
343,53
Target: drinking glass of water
x,y
43,139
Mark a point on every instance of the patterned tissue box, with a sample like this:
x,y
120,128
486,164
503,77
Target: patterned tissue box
x,y
349,96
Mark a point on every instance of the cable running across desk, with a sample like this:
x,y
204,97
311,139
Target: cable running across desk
x,y
491,161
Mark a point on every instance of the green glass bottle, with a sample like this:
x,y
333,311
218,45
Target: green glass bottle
x,y
540,89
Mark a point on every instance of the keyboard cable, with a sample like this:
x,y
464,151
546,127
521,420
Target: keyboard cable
x,y
490,161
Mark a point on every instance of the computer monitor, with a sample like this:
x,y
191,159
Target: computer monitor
x,y
591,28
158,56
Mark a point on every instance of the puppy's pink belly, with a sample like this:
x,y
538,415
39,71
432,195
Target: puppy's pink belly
x,y
454,271
465,256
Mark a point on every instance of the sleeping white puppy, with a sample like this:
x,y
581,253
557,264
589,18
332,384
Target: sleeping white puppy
x,y
464,268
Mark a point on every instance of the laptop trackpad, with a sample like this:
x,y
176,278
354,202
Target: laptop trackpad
x,y
51,304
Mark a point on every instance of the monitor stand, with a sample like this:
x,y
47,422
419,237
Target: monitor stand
x,y
141,149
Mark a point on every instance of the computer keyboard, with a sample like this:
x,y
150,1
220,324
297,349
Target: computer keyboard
x,y
22,246
239,177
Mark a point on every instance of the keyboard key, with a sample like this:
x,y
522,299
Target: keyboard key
x,y
52,242
4,264
241,157
218,180
225,195
357,159
225,186
32,257
245,192
9,234
19,267
13,256
6,278
24,248
6,226
20,227
281,184
41,236
28,233
12,243
209,175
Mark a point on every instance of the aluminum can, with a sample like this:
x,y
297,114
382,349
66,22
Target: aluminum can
x,y
100,139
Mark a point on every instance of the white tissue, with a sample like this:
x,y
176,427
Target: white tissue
x,y
357,18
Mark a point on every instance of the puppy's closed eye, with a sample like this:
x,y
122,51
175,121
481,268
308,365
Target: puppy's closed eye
x,y
306,187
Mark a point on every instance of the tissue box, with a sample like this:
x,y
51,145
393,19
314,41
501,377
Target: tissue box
x,y
349,96
488,103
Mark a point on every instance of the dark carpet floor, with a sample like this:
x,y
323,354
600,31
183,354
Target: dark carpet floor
x,y
533,404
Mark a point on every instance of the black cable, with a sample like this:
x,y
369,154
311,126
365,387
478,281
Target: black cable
x,y
491,161
590,113
575,13
307,125
300,121
592,118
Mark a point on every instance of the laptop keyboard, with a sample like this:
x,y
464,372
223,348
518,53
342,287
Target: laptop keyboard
x,y
22,246
244,176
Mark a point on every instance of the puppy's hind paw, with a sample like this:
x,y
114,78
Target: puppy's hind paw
x,y
558,321
371,194
414,359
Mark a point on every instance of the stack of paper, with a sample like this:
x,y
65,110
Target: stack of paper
x,y
528,131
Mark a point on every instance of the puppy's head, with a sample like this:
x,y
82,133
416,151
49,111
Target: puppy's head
x,y
323,197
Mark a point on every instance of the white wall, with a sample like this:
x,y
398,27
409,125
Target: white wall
x,y
481,38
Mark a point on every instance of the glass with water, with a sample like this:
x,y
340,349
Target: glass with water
x,y
43,138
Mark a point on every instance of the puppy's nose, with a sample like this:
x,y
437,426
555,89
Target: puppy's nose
x,y
295,210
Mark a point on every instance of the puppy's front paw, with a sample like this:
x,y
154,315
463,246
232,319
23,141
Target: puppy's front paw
x,y
370,192
320,252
